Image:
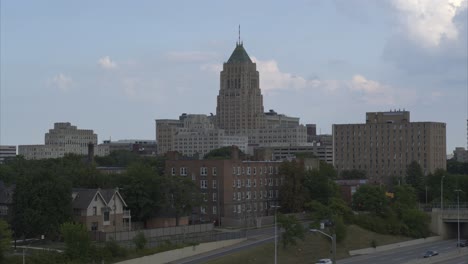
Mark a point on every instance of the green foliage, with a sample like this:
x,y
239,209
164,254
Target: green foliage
x,y
181,195
140,241
77,240
5,239
339,228
293,229
417,223
293,193
320,186
222,153
353,174
114,249
338,207
415,178
370,198
42,202
118,158
142,191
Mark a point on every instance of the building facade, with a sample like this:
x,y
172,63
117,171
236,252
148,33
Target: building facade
x,y
387,143
236,192
460,154
7,152
63,139
194,135
139,146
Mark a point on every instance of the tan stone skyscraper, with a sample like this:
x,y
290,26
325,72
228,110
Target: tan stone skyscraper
x,y
240,101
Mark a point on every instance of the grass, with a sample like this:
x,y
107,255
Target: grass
x,y
314,247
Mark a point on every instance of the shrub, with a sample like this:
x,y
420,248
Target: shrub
x,y
140,241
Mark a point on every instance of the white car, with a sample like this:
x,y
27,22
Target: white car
x,y
324,261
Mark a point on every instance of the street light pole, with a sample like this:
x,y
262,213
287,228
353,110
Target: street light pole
x,y
458,213
276,237
442,193
333,239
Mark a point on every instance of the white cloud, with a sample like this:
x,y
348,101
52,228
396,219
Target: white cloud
x,y
191,56
106,63
428,22
61,81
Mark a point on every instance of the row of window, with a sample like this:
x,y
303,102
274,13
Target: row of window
x,y
249,183
253,171
203,171
239,196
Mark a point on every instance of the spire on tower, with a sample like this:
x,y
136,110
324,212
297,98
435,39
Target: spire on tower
x,y
239,41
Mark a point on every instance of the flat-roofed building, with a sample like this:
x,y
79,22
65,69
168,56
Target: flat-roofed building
x,y
64,139
7,152
387,143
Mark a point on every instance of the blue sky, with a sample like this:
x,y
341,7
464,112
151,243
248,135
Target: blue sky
x,y
116,66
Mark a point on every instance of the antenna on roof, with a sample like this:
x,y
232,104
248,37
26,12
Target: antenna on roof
x,y
239,36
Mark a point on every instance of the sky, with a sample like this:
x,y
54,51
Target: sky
x,y
116,66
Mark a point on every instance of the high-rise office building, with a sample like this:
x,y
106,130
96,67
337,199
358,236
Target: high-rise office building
x,y
387,143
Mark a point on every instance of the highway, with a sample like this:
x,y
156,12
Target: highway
x,y
405,254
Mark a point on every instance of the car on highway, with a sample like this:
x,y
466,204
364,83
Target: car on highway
x,y
463,243
430,253
324,261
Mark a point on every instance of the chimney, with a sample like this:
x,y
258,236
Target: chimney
x,y
90,152
234,152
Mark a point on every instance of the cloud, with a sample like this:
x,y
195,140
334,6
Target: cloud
x,y
429,22
191,56
61,81
106,63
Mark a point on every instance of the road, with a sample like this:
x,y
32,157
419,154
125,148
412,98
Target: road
x,y
458,260
405,254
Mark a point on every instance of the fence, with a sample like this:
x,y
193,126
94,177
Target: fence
x,y
152,233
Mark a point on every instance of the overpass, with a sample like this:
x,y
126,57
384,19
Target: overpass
x,y
445,222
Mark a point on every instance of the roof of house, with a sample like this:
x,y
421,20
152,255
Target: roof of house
x,y
84,196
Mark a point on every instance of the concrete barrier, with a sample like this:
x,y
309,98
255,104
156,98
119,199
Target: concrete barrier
x,y
366,251
172,255
441,257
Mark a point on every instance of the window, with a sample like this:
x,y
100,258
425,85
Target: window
x,y
248,170
183,171
213,171
214,210
106,216
94,226
238,183
247,195
214,184
248,182
238,170
255,183
239,210
203,184
214,196
203,171
94,210
254,170
233,183
234,196
173,171
202,209
233,170
255,195
271,170
234,208
238,196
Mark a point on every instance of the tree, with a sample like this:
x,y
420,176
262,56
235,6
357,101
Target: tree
x,y
293,195
293,229
142,189
5,239
181,195
415,178
320,186
42,202
77,240
353,174
222,153
370,198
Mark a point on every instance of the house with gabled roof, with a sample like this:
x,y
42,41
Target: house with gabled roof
x,y
101,210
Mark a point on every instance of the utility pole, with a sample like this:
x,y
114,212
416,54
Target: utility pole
x,y
442,193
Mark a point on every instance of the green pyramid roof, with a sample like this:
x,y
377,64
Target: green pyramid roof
x,y
239,55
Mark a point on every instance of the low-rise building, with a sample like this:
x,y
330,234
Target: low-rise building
x,y
460,154
101,210
140,146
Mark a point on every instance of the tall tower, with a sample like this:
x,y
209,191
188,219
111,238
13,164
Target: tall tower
x,y
240,101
